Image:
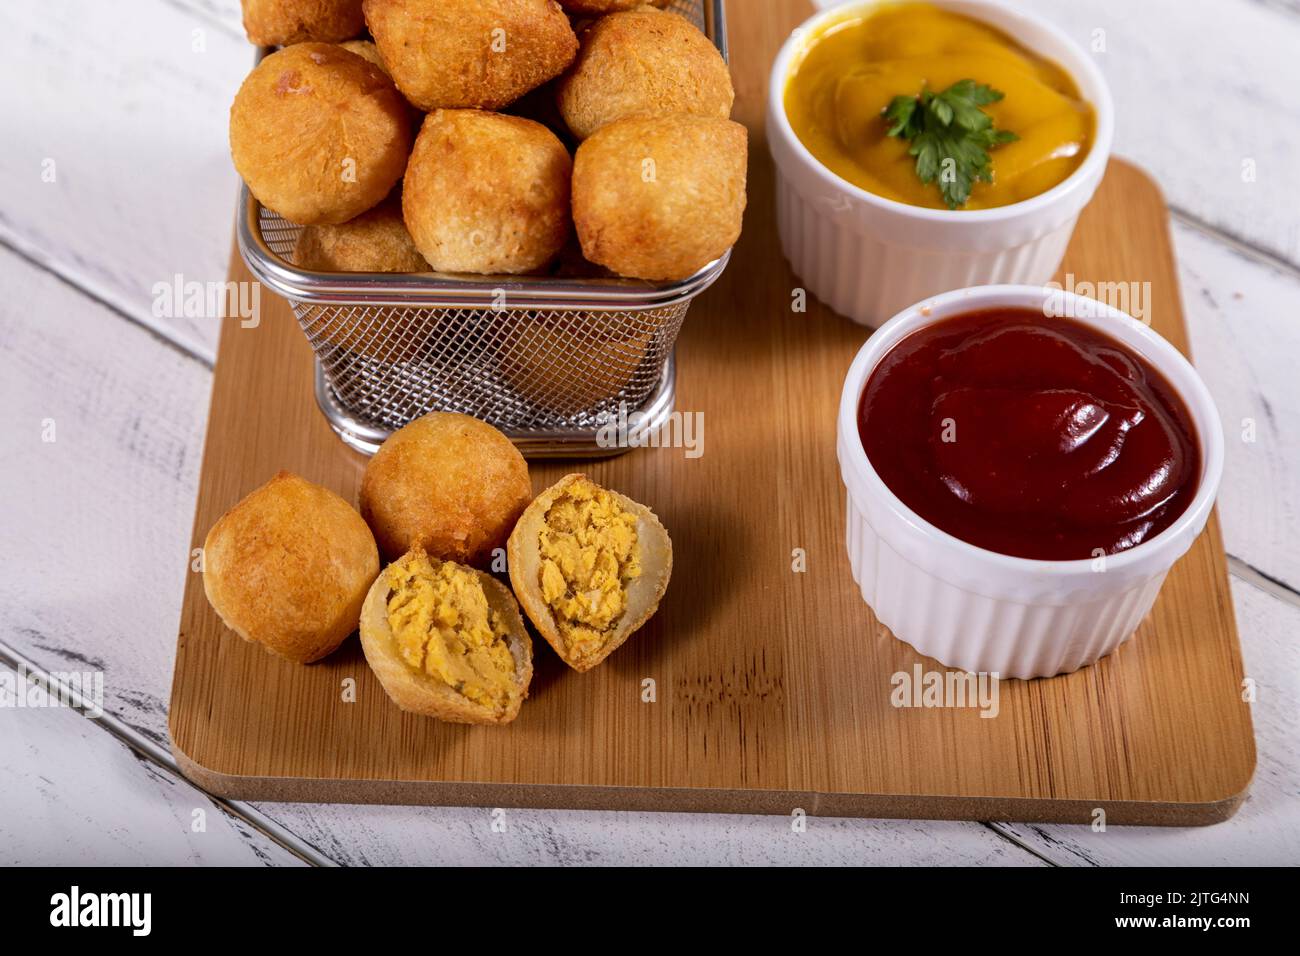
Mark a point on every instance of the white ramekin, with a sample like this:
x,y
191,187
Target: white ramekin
x,y
866,256
982,611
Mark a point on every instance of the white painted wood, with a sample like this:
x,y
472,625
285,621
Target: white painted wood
x,y
71,795
1244,319
225,14
136,123
1266,830
459,836
109,494
129,103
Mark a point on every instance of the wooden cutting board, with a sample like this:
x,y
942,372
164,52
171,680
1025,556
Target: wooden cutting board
x,y
771,686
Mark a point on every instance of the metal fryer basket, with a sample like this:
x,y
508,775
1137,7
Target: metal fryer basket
x,y
548,360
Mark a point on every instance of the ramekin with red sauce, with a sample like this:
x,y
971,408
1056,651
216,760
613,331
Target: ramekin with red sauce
x,y
1020,483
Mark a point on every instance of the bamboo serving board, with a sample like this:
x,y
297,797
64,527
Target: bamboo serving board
x,y
771,686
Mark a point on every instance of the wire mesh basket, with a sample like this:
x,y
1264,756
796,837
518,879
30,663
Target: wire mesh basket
x,y
548,360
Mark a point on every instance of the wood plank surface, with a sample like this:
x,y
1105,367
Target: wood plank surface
x,y
773,686
1265,820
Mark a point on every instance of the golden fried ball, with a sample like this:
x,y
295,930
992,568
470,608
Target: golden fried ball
x,y
643,63
487,193
660,197
319,134
449,483
472,667
589,567
282,22
288,567
470,53
375,241
598,7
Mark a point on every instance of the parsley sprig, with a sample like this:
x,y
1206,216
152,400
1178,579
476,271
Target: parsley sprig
x,y
949,126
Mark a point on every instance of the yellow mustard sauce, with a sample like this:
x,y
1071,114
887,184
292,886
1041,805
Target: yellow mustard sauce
x,y
854,66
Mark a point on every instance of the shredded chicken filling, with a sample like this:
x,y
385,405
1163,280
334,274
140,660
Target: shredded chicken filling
x,y
589,554
445,628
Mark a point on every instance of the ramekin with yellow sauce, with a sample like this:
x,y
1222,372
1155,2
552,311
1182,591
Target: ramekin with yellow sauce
x,y
861,229
849,72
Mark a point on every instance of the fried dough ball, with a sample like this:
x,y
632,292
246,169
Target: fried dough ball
x,y
289,566
589,567
660,197
447,641
448,483
375,241
319,134
598,7
643,63
487,193
470,53
282,22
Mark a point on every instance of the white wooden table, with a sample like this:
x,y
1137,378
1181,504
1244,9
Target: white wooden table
x,y
114,176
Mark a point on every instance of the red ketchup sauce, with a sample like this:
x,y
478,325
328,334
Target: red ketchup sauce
x,y
1031,436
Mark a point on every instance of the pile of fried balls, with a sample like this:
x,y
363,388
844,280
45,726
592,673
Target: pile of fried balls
x,y
482,136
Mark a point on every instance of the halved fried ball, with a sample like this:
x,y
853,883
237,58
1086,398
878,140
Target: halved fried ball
x,y
448,483
470,53
643,63
282,22
660,197
319,134
589,566
487,193
289,567
597,7
447,641
375,241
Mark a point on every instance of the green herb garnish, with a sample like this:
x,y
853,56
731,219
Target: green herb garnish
x,y
950,136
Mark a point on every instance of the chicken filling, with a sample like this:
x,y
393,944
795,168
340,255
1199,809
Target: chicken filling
x,y
589,554
445,628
